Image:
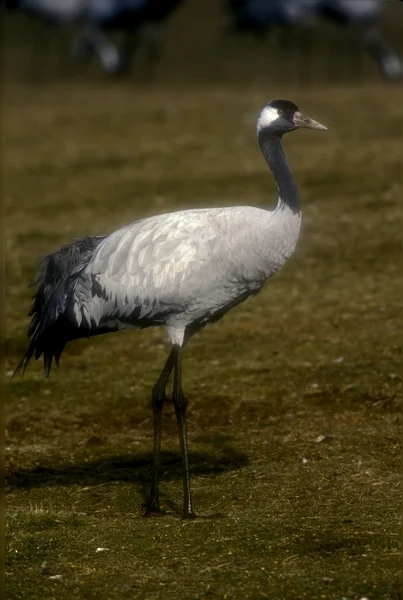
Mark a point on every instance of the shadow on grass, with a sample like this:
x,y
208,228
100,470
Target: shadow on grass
x,y
135,470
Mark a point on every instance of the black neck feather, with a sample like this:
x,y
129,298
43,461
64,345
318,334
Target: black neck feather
x,y
273,151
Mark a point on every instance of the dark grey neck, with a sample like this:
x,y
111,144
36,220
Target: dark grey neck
x,y
273,151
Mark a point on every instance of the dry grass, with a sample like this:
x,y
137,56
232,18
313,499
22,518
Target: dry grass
x,y
317,353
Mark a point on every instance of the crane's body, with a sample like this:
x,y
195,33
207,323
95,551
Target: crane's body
x,y
182,270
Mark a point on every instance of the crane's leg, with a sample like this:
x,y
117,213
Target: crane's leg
x,y
387,59
153,44
180,403
93,40
128,49
158,399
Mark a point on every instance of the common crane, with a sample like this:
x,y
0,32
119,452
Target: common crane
x,y
183,270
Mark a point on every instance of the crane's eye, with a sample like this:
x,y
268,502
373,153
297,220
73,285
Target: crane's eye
x,y
280,112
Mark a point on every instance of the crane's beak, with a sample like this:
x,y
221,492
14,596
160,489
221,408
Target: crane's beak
x,y
300,120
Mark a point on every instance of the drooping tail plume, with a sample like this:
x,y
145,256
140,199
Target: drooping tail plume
x,y
52,324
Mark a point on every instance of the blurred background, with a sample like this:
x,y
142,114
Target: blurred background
x,y
113,114
303,41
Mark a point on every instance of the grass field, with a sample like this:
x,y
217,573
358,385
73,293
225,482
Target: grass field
x,y
316,356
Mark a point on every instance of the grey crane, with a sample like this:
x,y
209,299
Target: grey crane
x,y
183,270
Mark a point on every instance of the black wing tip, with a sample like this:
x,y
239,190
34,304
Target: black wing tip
x,y
22,366
47,365
49,332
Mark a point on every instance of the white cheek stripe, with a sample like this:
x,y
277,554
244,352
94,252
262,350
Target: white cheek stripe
x,y
266,118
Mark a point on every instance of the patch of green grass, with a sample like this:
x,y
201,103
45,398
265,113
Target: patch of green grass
x,y
294,422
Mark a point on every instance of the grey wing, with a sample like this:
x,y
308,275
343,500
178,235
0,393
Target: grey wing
x,y
153,269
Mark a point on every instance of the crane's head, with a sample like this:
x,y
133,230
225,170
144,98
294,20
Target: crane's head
x,y
282,116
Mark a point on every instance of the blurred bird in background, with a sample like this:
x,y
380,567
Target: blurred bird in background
x,y
141,24
362,15
138,20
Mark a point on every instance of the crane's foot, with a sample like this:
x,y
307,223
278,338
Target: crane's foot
x,y
152,508
187,516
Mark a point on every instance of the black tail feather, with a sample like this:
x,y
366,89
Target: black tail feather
x,y
51,328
